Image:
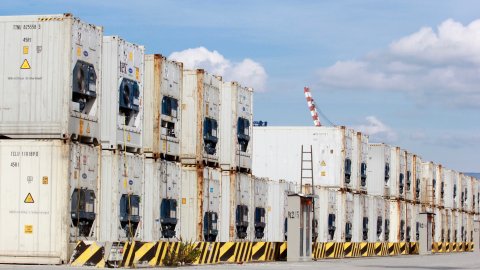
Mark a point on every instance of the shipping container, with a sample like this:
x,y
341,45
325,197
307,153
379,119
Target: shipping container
x,y
409,177
412,229
397,221
278,191
328,214
360,218
467,191
449,188
440,184
417,178
121,196
259,209
49,199
348,220
162,200
456,225
122,95
437,228
331,153
476,195
397,173
51,82
236,123
162,115
387,223
200,118
376,217
469,227
448,226
428,184
457,189
359,168
378,171
200,190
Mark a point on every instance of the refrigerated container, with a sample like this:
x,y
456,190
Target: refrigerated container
x,y
49,199
162,200
259,209
162,113
200,118
450,188
331,153
360,218
359,168
276,229
448,226
457,189
378,171
122,95
417,178
347,226
440,190
121,196
412,221
236,127
409,176
466,193
397,174
201,203
476,195
329,213
376,214
429,184
437,226
387,223
397,221
51,82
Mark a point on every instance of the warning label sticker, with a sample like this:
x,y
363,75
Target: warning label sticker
x,y
25,65
29,198
28,229
323,164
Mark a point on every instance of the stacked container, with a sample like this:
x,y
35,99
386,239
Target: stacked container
x,y
397,173
121,198
240,219
277,205
51,88
260,200
161,145
409,177
359,168
199,155
329,211
378,172
376,208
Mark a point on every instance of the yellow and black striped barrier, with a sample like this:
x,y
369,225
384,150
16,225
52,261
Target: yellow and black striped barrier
x,y
333,250
393,249
381,249
413,248
236,252
280,251
351,250
88,254
263,251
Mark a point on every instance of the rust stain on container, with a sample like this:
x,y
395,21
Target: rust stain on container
x,y
200,183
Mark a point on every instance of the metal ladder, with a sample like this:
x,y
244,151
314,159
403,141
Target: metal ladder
x,y
306,170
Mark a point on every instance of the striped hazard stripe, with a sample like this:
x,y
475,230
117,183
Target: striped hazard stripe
x,y
210,252
351,250
403,248
235,252
413,248
88,254
333,250
263,251
393,248
367,249
318,251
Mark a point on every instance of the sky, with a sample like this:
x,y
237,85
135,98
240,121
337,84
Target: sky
x,y
406,72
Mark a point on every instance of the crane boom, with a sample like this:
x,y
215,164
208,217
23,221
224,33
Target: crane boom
x,y
312,107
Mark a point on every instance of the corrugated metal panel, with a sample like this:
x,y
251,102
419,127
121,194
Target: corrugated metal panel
x,y
329,212
260,197
122,62
122,176
378,178
236,109
376,216
37,181
37,67
275,159
163,86
200,103
189,205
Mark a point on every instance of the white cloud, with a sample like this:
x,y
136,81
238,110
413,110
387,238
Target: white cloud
x,y
247,72
377,130
441,67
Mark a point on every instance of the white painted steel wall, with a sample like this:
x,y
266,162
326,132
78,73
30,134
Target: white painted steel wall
x,y
200,100
49,170
162,181
236,102
37,99
275,159
397,215
360,150
163,80
121,61
122,174
378,158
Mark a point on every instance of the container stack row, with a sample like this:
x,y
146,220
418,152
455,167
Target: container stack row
x,y
367,192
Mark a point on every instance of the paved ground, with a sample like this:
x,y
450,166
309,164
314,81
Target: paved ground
x,y
442,261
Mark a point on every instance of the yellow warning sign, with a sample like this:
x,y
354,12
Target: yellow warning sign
x,y
323,163
130,56
28,229
323,174
137,73
25,65
45,180
29,199
25,49
184,201
81,127
128,137
79,51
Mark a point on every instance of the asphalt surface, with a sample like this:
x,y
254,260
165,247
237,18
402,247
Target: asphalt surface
x,y
467,260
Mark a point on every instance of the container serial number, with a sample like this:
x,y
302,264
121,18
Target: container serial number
x,y
26,26
24,154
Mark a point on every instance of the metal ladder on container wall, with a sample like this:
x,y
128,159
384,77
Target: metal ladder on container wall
x,y
306,170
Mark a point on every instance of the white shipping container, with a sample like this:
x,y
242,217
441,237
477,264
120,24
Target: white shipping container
x,y
437,226
162,115
376,214
51,68
412,222
49,199
122,96
386,223
360,218
476,195
428,184
162,200
378,171
276,229
409,177
331,152
417,177
440,190
260,197
200,190
121,196
457,190
328,214
348,220
397,173
236,123
397,221
200,117
449,187
359,168
449,236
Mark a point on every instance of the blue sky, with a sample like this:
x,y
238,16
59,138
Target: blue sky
x,y
404,71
